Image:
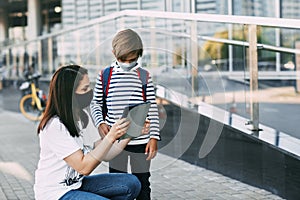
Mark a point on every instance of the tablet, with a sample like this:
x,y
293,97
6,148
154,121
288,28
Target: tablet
x,y
137,115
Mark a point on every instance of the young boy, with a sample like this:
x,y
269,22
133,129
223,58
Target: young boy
x,y
125,88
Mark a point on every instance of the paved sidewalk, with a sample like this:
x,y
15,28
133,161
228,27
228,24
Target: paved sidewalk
x,y
171,179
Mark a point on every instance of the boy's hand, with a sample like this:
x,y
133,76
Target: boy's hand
x,y
146,127
151,149
103,129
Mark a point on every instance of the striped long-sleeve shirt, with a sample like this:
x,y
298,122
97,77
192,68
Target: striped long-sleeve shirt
x,y
125,88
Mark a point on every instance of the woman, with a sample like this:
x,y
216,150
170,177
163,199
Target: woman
x,y
65,162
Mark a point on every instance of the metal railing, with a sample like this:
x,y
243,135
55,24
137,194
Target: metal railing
x,y
40,50
189,41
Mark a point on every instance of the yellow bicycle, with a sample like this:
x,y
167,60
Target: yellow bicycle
x,y
33,103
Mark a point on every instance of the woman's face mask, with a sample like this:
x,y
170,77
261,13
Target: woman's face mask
x,y
85,99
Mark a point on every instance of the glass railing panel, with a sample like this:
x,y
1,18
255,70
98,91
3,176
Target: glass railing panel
x,y
98,53
196,61
19,60
278,94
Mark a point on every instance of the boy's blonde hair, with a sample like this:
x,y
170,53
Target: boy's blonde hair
x,y
127,42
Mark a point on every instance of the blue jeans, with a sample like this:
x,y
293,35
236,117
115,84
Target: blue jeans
x,y
106,186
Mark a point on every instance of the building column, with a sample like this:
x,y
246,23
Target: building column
x,y
34,19
230,37
3,25
297,46
278,14
168,6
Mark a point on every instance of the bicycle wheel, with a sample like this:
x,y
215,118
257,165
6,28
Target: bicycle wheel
x,y
29,110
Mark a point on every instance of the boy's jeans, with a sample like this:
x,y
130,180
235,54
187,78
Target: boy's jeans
x,y
106,186
139,167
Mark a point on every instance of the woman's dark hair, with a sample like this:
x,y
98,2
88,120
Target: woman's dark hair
x,y
60,101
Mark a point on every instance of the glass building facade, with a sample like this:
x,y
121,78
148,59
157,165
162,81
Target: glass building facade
x,y
167,31
75,12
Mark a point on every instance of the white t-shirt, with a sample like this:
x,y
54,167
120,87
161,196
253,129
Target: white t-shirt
x,y
53,177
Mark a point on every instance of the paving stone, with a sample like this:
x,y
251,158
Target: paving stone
x,y
171,179
2,195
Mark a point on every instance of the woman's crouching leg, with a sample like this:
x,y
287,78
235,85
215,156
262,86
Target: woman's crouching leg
x,y
113,186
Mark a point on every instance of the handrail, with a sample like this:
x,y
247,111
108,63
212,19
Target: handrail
x,y
260,21
73,28
216,18
231,42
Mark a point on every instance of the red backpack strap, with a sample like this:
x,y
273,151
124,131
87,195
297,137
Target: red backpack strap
x,y
144,77
105,78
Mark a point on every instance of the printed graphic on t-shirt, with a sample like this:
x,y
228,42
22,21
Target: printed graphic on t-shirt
x,y
71,175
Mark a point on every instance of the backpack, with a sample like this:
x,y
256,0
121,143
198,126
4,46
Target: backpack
x,y
106,76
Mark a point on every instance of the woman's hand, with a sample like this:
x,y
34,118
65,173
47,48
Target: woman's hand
x,y
146,127
119,129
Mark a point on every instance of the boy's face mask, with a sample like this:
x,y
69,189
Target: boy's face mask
x,y
127,66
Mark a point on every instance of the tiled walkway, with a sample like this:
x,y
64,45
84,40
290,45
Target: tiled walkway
x,y
171,179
